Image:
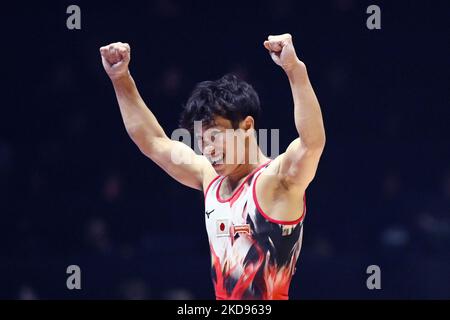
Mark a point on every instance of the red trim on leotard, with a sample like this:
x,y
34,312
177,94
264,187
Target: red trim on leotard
x,y
240,186
296,221
209,185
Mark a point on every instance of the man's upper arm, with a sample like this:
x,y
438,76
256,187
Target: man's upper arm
x,y
178,160
298,165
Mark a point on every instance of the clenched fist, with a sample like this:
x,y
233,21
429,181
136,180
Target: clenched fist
x,y
115,59
282,51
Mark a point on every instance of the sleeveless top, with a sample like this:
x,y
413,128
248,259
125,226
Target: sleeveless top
x,y
252,255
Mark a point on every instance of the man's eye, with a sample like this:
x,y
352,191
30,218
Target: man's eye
x,y
215,135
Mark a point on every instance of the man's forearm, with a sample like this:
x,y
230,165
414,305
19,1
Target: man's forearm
x,y
308,117
139,121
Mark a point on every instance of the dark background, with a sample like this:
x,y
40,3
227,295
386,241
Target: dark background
x,y
74,189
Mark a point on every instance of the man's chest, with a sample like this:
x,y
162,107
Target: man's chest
x,y
225,219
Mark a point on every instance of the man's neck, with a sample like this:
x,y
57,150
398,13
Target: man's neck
x,y
243,170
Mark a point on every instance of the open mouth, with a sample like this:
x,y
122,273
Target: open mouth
x,y
216,160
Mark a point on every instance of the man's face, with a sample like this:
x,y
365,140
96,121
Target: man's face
x,y
221,145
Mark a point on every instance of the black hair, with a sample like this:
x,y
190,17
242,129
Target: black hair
x,y
229,97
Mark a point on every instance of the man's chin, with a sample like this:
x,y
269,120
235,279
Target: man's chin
x,y
219,167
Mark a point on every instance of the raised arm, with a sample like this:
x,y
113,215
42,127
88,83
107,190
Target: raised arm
x,y
298,164
143,127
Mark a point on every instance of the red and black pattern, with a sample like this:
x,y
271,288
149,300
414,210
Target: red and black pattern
x,y
256,259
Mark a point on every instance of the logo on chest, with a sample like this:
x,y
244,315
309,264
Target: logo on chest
x,y
225,228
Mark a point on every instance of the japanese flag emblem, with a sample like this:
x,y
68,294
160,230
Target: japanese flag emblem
x,y
223,227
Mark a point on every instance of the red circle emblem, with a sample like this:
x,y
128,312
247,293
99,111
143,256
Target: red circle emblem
x,y
222,226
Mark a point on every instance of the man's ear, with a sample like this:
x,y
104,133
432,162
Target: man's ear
x,y
248,123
